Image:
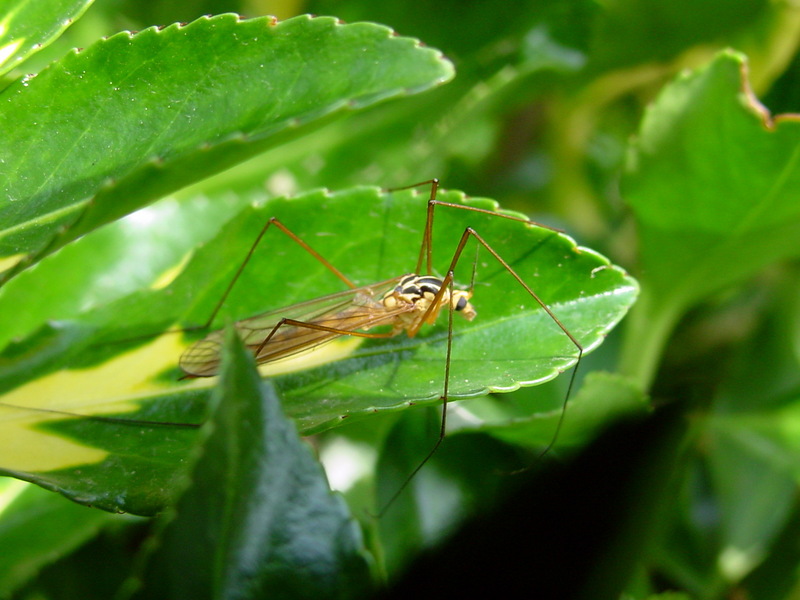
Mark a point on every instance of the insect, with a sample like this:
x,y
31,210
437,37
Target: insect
x,y
405,303
402,304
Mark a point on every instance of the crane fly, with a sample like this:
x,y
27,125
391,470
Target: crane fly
x,y
405,303
402,304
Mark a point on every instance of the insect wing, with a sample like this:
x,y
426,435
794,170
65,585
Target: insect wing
x,y
350,310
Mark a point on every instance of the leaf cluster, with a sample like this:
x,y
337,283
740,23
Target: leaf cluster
x,y
136,171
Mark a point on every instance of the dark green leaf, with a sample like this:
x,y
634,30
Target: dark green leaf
x,y
578,521
258,519
746,441
466,475
603,398
624,34
37,528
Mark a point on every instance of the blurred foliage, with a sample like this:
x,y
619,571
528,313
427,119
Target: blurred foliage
x,y
629,123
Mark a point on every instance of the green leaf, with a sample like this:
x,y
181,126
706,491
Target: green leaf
x,y
776,577
455,127
36,528
591,543
730,207
27,27
260,494
603,398
623,36
467,473
463,472
81,367
748,440
136,116
125,256
713,182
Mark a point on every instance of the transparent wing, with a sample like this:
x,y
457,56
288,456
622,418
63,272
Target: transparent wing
x,y
355,311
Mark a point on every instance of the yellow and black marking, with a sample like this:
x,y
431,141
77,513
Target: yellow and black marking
x,y
421,290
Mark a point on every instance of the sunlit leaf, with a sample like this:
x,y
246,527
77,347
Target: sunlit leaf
x,y
140,115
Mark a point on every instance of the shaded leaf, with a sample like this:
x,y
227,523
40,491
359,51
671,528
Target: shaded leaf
x,y
583,544
37,528
258,518
603,398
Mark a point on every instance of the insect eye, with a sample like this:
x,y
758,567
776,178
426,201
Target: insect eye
x,y
461,304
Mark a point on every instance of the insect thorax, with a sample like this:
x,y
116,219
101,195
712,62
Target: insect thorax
x,y
420,291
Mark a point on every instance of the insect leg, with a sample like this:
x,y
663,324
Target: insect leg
x,y
333,331
447,284
470,232
426,249
292,236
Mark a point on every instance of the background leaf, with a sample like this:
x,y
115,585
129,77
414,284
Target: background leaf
x,y
706,225
748,216
627,455
27,27
38,528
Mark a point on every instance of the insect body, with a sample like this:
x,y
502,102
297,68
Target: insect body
x,y
404,303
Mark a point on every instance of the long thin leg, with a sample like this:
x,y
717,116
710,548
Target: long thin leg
x,y
272,221
426,249
250,252
471,232
206,367
292,236
447,283
334,331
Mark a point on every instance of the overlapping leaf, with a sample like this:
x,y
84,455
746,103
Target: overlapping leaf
x,y
258,487
140,115
82,367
